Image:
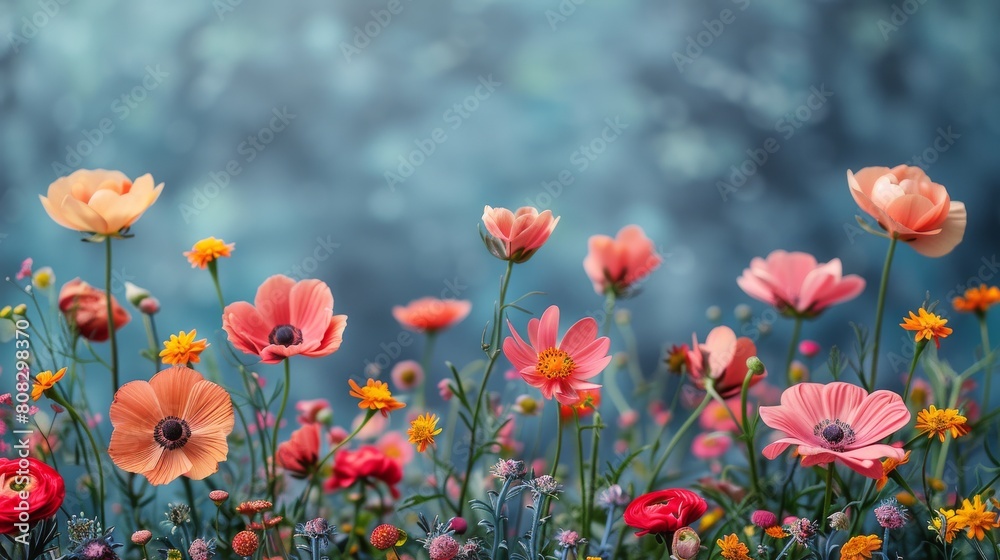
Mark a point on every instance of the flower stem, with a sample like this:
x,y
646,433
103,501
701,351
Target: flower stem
x,y
675,440
90,436
595,444
609,312
796,333
213,269
880,309
749,434
189,492
277,427
913,367
984,333
828,497
425,364
585,514
113,340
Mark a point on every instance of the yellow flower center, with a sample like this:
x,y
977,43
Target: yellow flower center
x,y
554,363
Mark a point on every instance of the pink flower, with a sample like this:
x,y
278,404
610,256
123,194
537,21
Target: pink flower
x,y
516,236
407,375
628,419
336,435
722,358
616,265
797,285
298,456
711,445
837,422
396,446
809,348
314,411
910,207
444,389
715,417
25,269
558,369
287,318
431,314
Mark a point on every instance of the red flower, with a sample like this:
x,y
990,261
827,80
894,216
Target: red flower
x,y
589,401
39,487
367,462
664,511
86,308
299,455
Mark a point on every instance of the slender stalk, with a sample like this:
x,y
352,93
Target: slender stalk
x,y
828,497
749,434
213,269
984,333
585,514
880,309
595,444
112,338
913,367
425,364
609,312
559,438
93,443
675,440
796,333
189,492
277,427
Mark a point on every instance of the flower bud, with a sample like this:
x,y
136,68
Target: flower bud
x,y
134,294
809,348
743,313
755,366
6,312
20,309
149,305
686,544
839,521
763,519
459,525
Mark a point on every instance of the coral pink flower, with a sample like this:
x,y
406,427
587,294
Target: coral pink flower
x,y
911,207
367,462
431,314
837,422
722,358
407,375
711,445
616,265
396,446
299,455
560,369
797,285
313,411
99,201
585,405
287,318
515,236
25,270
86,308
716,418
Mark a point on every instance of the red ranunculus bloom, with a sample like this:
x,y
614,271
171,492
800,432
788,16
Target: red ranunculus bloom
x,y
28,495
664,511
299,455
367,462
86,307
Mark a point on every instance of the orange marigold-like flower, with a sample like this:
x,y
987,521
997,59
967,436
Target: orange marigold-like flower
x,y
207,251
422,431
731,548
974,518
938,422
889,465
375,395
928,326
977,300
860,547
183,349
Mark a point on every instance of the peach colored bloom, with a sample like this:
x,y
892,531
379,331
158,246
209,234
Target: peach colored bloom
x,y
99,201
797,285
299,455
716,418
722,358
837,422
431,314
175,424
516,236
558,369
396,446
287,318
711,445
616,265
910,207
86,308
407,375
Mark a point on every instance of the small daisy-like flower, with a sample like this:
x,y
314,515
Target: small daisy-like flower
x,y
888,466
928,326
974,518
443,547
508,468
254,507
950,529
375,395
385,536
977,300
183,349
43,278
207,250
731,548
567,538
422,431
802,530
891,515
245,543
860,547
218,496
142,537
45,381
938,422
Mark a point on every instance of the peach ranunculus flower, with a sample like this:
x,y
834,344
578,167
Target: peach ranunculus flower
x,y
723,359
559,369
99,201
430,315
797,285
287,318
837,422
86,310
910,207
616,265
175,424
515,236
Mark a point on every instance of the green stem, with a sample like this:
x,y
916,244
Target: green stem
x,y
913,367
675,440
609,312
90,436
277,427
749,434
984,333
213,269
189,492
828,497
585,515
559,438
425,364
328,456
112,338
880,309
595,444
796,333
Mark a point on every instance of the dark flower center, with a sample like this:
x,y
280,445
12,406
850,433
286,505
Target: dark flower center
x,y
833,433
836,434
172,433
285,335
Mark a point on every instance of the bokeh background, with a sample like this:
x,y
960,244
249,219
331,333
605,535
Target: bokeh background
x,y
315,102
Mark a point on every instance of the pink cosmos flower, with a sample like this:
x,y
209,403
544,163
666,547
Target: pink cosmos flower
x,y
722,358
559,369
25,269
616,265
287,318
431,314
797,285
515,236
407,375
910,207
837,422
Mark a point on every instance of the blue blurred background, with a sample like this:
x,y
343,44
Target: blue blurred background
x,y
358,143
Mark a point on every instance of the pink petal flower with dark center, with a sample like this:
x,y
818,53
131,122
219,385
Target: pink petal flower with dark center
x,y
796,284
559,369
837,422
287,318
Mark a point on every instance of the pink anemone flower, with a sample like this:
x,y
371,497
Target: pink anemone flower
x,y
796,284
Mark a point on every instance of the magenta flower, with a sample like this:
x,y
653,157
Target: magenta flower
x,y
559,369
837,422
797,285
287,318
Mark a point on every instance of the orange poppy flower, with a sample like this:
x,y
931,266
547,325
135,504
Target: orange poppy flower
x,y
175,424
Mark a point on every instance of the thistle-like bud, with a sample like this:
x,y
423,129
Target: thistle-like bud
x,y
755,366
